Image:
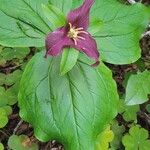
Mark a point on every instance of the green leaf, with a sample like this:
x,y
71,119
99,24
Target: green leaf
x,y
3,100
73,108
21,142
54,15
148,108
118,133
1,146
11,53
2,60
2,78
13,77
138,88
68,60
104,139
136,139
3,118
12,94
9,96
64,5
119,30
23,27
5,111
129,112
8,110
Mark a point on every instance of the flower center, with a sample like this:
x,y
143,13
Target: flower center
x,y
74,33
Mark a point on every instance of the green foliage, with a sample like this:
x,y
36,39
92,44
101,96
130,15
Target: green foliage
x,y
23,27
137,88
104,139
118,134
117,33
136,139
11,78
65,5
1,146
2,60
68,60
3,117
120,30
9,96
74,107
54,15
21,142
11,53
148,108
129,113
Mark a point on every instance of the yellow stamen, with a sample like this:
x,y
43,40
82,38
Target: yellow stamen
x,y
74,33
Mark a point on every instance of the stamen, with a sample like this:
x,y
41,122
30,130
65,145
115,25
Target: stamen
x,y
78,29
83,32
80,37
74,33
70,25
75,41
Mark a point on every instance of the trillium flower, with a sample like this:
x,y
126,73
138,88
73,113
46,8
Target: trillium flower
x,y
74,34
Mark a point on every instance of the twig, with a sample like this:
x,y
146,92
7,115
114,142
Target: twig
x,y
132,1
18,125
144,115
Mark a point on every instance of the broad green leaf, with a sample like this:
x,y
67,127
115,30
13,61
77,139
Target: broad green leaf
x,y
1,146
63,5
117,27
138,88
136,139
22,23
104,139
21,142
120,28
74,108
118,133
54,15
68,60
11,53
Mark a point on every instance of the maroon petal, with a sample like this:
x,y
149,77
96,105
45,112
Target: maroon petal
x,y
89,47
56,41
80,16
